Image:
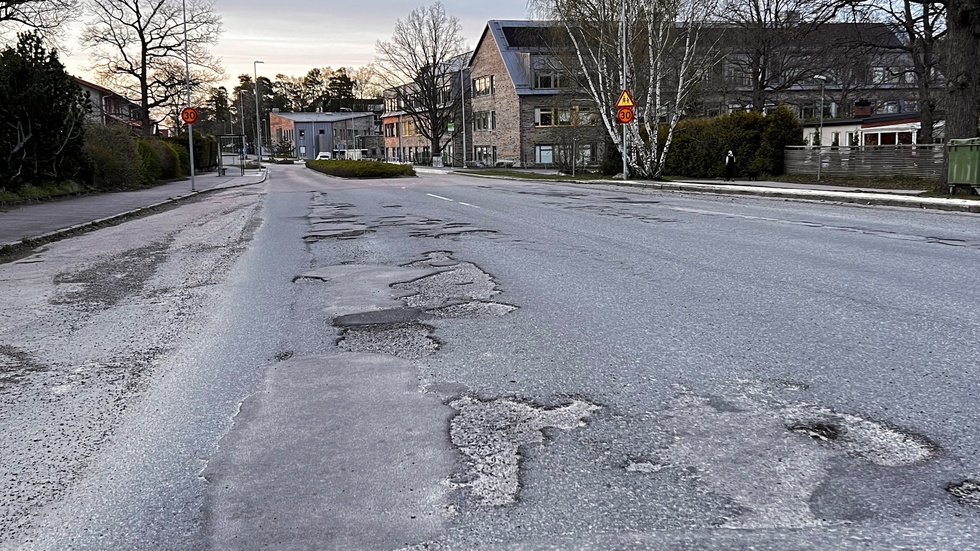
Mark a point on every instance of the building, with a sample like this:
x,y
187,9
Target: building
x,y
836,67
405,141
522,112
340,133
109,107
866,129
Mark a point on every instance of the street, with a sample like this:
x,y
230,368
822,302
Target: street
x,y
453,362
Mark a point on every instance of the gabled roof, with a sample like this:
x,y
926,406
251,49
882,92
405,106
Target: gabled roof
x,y
334,116
104,91
516,40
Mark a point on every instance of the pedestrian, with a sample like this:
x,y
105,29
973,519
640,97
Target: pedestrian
x,y
730,166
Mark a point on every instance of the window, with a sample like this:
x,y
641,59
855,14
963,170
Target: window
x,y
547,154
484,121
547,78
408,128
544,117
586,116
572,116
483,86
544,154
586,153
390,130
485,154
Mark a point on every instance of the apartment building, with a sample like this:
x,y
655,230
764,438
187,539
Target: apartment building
x,y
524,113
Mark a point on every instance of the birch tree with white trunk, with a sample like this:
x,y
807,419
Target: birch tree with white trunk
x,y
665,61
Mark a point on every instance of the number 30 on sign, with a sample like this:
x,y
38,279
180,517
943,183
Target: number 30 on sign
x,y
624,115
189,115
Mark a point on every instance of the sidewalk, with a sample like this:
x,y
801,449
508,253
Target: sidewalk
x,y
816,192
784,190
50,218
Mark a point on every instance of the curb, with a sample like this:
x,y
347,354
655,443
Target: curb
x,y
854,197
55,235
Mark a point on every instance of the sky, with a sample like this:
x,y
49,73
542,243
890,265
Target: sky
x,y
291,36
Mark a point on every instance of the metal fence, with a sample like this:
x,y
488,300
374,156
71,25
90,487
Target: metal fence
x,y
922,161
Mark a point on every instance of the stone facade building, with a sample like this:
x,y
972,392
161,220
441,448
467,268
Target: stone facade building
x,y
523,113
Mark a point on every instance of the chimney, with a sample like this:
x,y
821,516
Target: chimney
x,y
862,108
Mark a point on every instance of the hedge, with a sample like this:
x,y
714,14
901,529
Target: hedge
x,y
699,145
361,169
115,159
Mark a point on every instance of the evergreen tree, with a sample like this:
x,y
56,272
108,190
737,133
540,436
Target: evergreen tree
x,y
42,116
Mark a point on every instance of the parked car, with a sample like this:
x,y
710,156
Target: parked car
x,y
323,156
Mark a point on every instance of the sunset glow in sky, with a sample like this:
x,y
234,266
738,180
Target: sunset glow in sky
x,y
291,37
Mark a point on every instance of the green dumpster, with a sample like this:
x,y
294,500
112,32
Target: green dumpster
x,y
964,164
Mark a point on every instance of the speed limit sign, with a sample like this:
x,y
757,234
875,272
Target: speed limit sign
x,y
189,115
624,115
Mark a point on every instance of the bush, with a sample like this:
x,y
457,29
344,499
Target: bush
x,y
361,169
183,157
169,159
699,145
152,163
115,162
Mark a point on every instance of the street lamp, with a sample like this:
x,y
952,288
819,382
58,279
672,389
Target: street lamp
x,y
241,118
258,126
823,81
241,109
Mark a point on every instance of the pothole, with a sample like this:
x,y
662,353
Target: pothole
x,y
641,466
460,282
491,433
15,366
819,431
340,233
412,341
966,492
861,438
461,233
472,309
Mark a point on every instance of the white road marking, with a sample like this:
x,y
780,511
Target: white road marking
x,y
440,197
468,205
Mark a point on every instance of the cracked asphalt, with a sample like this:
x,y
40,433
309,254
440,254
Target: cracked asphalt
x,y
452,363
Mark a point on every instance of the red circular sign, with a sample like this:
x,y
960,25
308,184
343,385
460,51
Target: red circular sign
x,y
624,115
189,115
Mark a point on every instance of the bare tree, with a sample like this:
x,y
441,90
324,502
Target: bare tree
x,y
921,27
665,60
367,82
44,16
138,48
773,50
419,63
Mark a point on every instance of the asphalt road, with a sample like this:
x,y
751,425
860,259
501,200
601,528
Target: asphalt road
x,y
454,363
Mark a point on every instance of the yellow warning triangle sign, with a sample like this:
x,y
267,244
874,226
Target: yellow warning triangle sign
x,y
625,100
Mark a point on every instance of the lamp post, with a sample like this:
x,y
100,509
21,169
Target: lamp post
x,y
241,109
258,125
823,81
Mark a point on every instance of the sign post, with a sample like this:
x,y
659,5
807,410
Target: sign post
x,y
624,116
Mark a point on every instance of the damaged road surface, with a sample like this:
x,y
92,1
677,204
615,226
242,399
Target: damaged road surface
x,y
447,362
